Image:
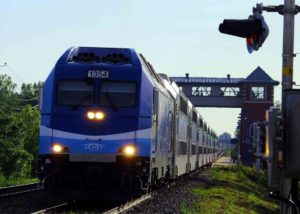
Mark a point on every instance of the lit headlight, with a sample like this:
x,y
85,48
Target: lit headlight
x,y
90,115
98,115
57,148
129,150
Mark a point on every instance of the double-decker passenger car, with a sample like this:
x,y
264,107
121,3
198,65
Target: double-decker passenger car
x,y
108,120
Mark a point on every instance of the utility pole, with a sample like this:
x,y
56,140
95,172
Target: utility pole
x,y
289,12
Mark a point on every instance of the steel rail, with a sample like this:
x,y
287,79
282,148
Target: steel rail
x,y
129,204
6,192
53,208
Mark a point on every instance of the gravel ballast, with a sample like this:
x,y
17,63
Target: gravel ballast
x,y
175,198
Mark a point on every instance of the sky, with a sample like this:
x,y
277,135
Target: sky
x,y
176,37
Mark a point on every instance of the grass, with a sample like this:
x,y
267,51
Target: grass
x,y
235,189
227,152
5,182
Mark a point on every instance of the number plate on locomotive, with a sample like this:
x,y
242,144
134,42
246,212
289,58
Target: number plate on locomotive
x,y
98,74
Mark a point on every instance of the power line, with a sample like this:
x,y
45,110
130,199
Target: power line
x,y
11,107
17,76
36,106
12,71
14,108
26,100
36,89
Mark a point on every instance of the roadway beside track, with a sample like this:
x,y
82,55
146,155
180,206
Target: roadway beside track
x,y
223,161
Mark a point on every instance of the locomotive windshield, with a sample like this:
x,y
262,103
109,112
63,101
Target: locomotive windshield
x,y
75,93
118,94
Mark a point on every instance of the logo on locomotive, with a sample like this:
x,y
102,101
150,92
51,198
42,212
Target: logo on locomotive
x,y
93,146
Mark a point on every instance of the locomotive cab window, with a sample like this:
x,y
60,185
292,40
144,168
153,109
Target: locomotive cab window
x,y
72,92
118,94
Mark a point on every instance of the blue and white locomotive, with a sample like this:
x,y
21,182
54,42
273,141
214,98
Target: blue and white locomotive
x,y
108,120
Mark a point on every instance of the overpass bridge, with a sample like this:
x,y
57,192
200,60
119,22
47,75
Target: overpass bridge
x,y
253,94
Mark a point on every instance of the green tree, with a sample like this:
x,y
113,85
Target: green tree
x,y
19,127
225,136
237,132
8,95
29,94
28,121
19,143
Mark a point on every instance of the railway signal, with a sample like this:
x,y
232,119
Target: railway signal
x,y
254,29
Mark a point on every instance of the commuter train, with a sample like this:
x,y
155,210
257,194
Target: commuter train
x,y
109,121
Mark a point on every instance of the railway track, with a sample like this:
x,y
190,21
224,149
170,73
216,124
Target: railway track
x,y
58,205
7,192
54,208
130,204
63,207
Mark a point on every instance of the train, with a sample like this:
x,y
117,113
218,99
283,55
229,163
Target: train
x,y
110,122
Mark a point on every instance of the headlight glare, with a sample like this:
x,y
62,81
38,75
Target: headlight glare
x,y
95,115
57,148
90,115
129,150
100,115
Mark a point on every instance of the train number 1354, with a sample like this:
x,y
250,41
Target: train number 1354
x,y
98,74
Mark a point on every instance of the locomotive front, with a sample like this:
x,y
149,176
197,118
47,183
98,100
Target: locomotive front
x,y
96,121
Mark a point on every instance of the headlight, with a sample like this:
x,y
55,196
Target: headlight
x,y
97,115
100,115
129,150
57,148
90,115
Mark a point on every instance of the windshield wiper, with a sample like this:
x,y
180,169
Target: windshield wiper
x,y
110,102
76,106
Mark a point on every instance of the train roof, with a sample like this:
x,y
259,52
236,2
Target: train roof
x,y
96,55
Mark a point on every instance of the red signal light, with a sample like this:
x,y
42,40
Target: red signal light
x,y
250,41
254,29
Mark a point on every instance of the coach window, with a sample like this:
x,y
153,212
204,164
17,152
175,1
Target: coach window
x,y
74,93
118,94
182,150
193,149
183,105
195,117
